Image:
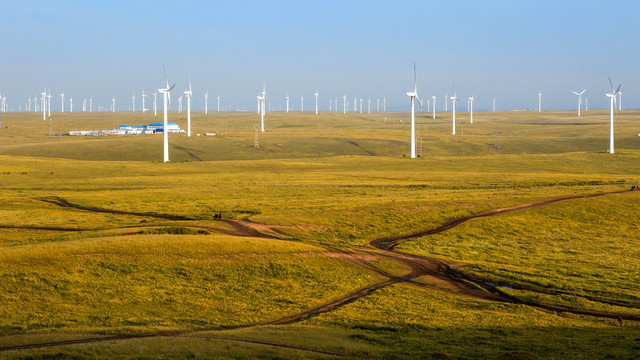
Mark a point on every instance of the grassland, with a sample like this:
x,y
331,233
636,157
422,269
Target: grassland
x,y
327,185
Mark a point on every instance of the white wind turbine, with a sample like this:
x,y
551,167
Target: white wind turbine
x,y
287,98
84,105
49,102
189,93
91,104
384,104
620,101
316,94
413,95
302,104
360,105
540,101
344,105
180,104
166,93
62,102
612,96
471,109
113,105
261,102
44,104
369,106
70,104
446,101
579,94
494,104
144,96
454,98
218,103
377,105
206,102
434,106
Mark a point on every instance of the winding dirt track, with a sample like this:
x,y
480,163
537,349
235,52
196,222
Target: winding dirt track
x,y
421,266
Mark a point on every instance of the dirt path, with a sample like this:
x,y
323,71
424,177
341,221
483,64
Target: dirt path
x,y
421,266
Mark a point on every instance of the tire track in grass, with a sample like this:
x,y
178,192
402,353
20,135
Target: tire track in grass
x,y
385,247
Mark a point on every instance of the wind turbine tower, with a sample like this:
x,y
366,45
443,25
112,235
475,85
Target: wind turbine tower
x,y
206,102
454,98
133,99
302,104
360,105
261,100
369,106
540,101
434,106
494,104
413,95
384,104
189,93
113,105
316,94
62,102
144,96
344,106
287,99
71,104
471,109
218,103
166,93
612,97
155,107
49,102
44,104
579,94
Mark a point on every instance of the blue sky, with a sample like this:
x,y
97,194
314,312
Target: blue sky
x,y
504,49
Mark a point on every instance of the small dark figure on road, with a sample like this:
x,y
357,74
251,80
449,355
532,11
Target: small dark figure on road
x,y
215,216
634,187
620,321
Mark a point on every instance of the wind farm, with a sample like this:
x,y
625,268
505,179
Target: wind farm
x,y
406,228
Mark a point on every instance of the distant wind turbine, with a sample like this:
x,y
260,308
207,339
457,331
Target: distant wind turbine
x,y
540,101
189,93
144,96
206,102
133,105
579,94
471,100
218,103
287,98
434,106
316,94
155,107
70,104
44,104
62,102
166,93
261,102
454,98
612,96
413,95
302,104
620,101
344,106
113,105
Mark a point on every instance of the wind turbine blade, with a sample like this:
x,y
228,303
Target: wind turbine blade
x,y
618,89
419,102
610,84
165,76
575,92
415,79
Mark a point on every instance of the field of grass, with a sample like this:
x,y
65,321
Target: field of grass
x,y
327,185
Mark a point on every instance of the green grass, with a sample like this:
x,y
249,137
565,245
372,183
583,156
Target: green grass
x,y
323,182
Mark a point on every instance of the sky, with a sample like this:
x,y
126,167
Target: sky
x,y
503,49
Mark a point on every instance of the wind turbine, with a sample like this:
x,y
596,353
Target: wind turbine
x,y
49,102
434,106
612,96
586,104
218,103
316,94
206,102
287,98
71,104
62,102
261,102
91,104
360,105
166,94
144,96
377,105
189,93
579,99
384,104
133,99
302,104
494,104
369,106
344,106
155,108
620,101
454,98
446,101
540,101
413,95
180,104
44,104
113,105
471,109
